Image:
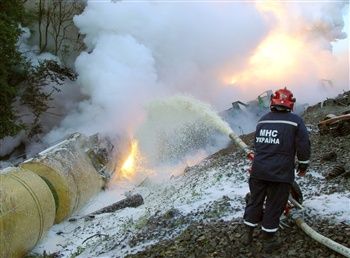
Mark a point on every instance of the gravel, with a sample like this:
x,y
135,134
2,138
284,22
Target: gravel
x,y
205,234
224,239
198,214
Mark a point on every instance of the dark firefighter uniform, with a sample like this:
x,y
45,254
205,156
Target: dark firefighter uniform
x,y
279,137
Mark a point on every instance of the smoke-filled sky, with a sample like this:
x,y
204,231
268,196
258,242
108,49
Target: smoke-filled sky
x,y
215,51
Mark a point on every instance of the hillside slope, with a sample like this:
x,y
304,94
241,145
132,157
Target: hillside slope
x,y
198,214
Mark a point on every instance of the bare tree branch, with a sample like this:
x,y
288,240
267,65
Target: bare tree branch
x,y
57,17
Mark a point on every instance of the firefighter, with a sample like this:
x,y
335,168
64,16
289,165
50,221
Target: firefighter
x,y
279,136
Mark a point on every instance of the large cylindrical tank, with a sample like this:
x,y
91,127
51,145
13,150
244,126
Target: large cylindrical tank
x,y
27,211
69,172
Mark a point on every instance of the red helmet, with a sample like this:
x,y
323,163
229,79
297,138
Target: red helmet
x,y
282,98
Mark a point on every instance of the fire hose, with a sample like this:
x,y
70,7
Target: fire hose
x,y
297,217
343,250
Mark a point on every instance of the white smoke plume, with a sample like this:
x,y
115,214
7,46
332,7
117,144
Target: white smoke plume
x,y
297,52
138,51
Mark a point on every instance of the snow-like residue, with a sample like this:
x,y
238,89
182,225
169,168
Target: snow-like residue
x,y
137,51
187,193
335,206
108,235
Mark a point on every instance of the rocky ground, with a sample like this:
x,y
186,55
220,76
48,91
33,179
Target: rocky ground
x,y
223,239
199,213
219,238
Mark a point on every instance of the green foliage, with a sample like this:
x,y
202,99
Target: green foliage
x,y
35,93
10,71
19,80
56,30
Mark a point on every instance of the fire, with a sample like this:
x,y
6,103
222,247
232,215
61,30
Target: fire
x,y
274,58
128,169
277,56
275,7
134,168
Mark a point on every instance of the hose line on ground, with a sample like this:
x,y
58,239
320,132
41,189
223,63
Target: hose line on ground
x,y
322,239
343,250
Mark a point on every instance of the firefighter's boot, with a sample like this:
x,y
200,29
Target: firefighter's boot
x,y
270,242
248,235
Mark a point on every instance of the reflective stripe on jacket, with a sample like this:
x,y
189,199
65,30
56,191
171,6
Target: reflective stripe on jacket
x,y
279,137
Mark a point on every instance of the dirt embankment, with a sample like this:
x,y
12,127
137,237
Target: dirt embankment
x,y
218,238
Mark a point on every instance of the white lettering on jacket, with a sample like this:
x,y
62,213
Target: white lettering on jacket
x,y
265,132
268,136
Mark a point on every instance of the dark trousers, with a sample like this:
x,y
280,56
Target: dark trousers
x,y
276,195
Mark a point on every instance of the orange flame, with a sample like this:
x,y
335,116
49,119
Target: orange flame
x,y
128,169
274,58
133,168
278,56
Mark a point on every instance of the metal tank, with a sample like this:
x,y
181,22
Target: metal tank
x,y
69,172
27,211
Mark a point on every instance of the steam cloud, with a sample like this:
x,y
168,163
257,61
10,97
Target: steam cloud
x,y
315,72
139,51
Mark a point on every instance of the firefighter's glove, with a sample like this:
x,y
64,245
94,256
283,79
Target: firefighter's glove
x,y
302,167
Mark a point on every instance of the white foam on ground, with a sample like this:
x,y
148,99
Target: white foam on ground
x,y
192,192
335,206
